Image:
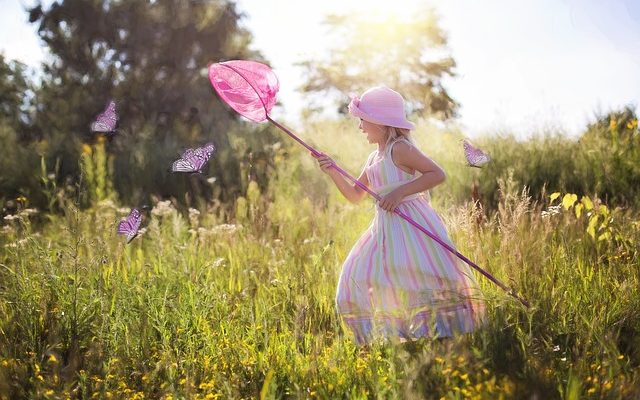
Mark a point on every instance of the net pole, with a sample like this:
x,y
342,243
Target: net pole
x,y
405,216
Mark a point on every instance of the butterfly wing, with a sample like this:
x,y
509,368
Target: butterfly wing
x,y
130,225
183,165
475,157
187,153
106,121
202,155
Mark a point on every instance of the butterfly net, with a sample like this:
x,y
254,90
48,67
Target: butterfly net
x,y
249,87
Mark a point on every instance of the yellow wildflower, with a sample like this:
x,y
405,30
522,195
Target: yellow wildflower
x,y
86,149
53,359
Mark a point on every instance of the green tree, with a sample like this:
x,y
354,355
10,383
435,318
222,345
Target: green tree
x,y
15,88
409,56
152,58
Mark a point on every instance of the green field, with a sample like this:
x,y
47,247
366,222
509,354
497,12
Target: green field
x,y
236,300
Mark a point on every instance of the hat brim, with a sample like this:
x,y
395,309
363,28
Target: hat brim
x,y
359,113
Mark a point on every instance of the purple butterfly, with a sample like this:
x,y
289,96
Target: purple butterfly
x,y
475,157
130,225
106,121
193,160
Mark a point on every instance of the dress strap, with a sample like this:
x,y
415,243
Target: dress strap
x,y
402,139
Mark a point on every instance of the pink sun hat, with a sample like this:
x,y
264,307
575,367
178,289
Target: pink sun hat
x,y
382,106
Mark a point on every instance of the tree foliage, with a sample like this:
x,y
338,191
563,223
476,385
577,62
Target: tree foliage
x,y
409,56
14,90
152,58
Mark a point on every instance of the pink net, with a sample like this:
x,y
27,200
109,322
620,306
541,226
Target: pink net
x,y
249,87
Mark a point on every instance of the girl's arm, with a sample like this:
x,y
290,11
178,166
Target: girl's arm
x,y
349,190
410,158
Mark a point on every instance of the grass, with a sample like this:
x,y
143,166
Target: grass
x,y
236,301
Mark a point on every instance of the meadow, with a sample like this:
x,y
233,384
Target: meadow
x,y
236,300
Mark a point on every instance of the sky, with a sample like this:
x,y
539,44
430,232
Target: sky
x,y
522,67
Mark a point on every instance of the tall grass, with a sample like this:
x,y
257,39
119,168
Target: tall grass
x,y
237,301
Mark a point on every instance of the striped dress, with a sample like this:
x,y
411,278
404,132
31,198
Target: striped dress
x,y
397,281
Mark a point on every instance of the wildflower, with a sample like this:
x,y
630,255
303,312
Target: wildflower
x,y
226,228
632,124
28,212
217,262
162,208
551,210
193,216
53,359
86,149
556,348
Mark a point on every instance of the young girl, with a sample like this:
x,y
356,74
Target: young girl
x,y
397,281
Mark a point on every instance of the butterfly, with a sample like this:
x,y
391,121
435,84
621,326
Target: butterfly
x,y
130,225
193,160
475,157
106,121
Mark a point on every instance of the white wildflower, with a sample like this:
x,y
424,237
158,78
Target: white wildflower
x,y
218,262
228,229
163,208
193,216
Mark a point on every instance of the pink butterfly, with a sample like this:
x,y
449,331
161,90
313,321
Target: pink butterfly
x,y
193,160
106,121
475,157
130,225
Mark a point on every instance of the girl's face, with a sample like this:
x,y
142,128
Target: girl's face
x,y
375,133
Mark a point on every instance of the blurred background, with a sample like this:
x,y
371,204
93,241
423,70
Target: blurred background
x,y
548,88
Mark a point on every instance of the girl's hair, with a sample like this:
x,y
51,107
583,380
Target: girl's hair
x,y
394,134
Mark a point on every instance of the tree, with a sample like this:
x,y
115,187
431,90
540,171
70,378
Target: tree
x,y
14,90
152,58
408,56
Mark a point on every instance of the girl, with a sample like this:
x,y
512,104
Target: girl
x,y
397,281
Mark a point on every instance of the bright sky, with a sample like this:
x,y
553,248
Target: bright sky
x,y
522,66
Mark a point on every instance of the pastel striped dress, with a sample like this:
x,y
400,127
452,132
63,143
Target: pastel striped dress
x,y
397,281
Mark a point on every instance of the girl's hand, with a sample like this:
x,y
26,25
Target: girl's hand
x,y
390,201
325,162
